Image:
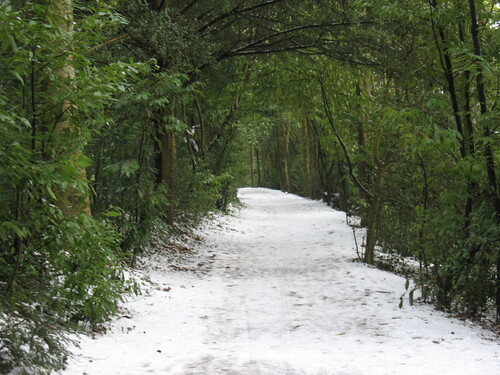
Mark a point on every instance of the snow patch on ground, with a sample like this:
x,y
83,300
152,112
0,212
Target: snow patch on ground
x,y
273,290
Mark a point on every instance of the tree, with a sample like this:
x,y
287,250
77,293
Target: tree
x,y
71,199
60,267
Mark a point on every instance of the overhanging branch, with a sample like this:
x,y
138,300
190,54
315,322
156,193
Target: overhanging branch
x,y
116,39
236,11
329,116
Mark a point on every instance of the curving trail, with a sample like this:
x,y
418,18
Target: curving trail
x,y
273,290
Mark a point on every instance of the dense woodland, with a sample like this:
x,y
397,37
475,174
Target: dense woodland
x,y
123,122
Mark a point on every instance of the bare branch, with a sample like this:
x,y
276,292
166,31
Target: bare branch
x,y
187,7
116,39
236,11
295,29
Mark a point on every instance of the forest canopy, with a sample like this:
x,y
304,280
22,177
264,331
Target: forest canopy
x,y
125,121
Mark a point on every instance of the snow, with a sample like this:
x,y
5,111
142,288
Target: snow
x,y
274,289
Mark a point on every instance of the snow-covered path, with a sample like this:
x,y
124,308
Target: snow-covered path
x,y
275,291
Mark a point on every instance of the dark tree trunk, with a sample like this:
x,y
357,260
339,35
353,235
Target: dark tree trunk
x,y
488,148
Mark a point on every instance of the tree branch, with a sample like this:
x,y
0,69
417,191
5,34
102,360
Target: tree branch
x,y
295,29
235,11
329,116
187,7
116,39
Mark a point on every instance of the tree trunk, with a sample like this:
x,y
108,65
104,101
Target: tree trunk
x,y
159,5
481,93
442,44
140,162
265,172
71,201
488,148
202,140
97,175
364,92
344,198
374,209
286,157
251,166
306,151
165,162
168,167
278,162
373,217
257,157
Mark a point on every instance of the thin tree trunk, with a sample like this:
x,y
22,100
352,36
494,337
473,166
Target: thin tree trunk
x,y
488,148
140,161
251,166
343,199
468,141
17,246
363,91
265,173
257,157
444,53
481,93
373,217
169,162
306,151
424,265
286,157
165,162
278,167
97,174
326,106
202,129
442,44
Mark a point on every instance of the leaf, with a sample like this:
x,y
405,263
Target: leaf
x,y
112,214
3,234
129,167
12,41
425,292
21,232
18,76
51,193
8,40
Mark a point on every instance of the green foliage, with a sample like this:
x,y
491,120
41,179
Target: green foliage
x,y
59,271
33,340
68,275
411,167
170,109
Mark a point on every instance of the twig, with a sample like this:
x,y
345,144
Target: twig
x,y
360,256
116,39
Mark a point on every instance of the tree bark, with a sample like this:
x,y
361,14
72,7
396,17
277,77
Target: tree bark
x,y
71,201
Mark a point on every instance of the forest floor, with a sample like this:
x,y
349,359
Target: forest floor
x,y
273,289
